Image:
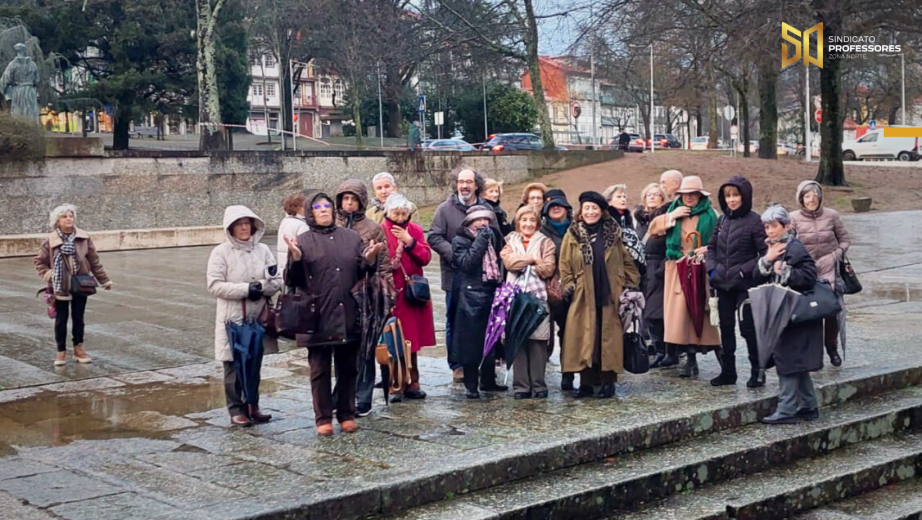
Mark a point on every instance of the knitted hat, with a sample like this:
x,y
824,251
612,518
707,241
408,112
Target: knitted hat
x,y
476,212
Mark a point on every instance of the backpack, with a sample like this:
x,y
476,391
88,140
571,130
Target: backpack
x,y
393,353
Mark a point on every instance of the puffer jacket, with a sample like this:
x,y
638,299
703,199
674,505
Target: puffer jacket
x,y
822,232
738,242
367,228
231,267
87,262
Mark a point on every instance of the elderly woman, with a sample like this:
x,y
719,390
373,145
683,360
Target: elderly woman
x,y
475,255
409,254
492,194
242,275
324,265
687,227
595,268
69,252
527,248
616,195
653,200
291,226
533,195
823,233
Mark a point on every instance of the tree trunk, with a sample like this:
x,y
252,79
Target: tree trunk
x,y
768,108
534,70
357,110
831,170
394,117
743,128
120,126
211,134
712,109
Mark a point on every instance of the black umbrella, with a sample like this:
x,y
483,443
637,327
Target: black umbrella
x,y
246,340
525,315
772,306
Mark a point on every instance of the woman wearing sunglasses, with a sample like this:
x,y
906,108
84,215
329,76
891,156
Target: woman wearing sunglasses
x,y
323,265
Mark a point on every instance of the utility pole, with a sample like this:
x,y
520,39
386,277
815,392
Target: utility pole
x,y
652,113
808,153
294,122
380,107
903,102
486,133
595,140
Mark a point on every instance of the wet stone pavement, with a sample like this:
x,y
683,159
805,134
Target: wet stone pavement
x,y
143,432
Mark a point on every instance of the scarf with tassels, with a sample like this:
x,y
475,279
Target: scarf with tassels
x,y
66,249
490,260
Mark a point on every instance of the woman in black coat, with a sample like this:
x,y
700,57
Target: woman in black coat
x,y
478,273
800,349
653,200
731,256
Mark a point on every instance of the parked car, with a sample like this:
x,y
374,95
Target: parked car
x,y
753,146
873,145
143,131
665,141
637,143
700,142
449,145
425,143
513,142
786,149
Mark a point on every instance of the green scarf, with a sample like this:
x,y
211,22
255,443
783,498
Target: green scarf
x,y
707,221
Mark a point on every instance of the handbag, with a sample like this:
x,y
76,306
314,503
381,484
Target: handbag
x,y
714,313
554,292
819,303
416,288
394,352
850,282
83,284
282,317
636,357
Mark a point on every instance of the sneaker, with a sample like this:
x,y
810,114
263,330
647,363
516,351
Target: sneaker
x,y
60,359
363,410
80,354
780,419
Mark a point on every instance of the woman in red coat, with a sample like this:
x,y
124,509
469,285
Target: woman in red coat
x,y
409,253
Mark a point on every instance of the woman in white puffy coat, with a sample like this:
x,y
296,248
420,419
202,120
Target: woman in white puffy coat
x,y
242,274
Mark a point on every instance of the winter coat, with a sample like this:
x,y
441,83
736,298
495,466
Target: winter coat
x,y
516,260
376,211
231,267
418,326
445,226
472,298
738,242
822,232
366,228
655,252
501,218
290,226
557,238
576,272
331,264
678,323
801,346
87,262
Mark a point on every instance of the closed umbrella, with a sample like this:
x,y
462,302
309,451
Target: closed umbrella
x,y
693,279
525,315
496,324
772,306
246,341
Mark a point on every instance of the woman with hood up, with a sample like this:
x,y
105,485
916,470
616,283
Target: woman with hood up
x,y
732,254
823,233
242,274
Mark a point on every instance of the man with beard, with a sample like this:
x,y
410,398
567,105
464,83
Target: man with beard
x,y
446,224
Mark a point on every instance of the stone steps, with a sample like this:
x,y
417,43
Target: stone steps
x,y
594,490
901,501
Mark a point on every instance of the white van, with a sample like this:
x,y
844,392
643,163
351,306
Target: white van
x,y
873,145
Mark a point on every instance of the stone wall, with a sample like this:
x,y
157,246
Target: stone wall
x,y
145,191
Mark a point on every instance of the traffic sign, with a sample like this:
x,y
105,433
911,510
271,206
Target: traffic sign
x,y
818,102
575,109
818,116
872,124
729,112
440,118
734,131
421,104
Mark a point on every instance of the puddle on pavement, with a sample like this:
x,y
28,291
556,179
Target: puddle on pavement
x,y
150,411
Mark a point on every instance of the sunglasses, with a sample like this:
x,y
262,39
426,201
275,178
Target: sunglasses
x,y
323,205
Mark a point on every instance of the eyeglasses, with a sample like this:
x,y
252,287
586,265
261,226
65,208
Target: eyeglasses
x,y
324,205
465,181
654,195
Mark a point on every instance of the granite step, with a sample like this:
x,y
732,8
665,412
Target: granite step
x,y
593,490
804,485
901,501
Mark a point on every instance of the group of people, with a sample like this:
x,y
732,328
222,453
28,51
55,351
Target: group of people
x,y
349,262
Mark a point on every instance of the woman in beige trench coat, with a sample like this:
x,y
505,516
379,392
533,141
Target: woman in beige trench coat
x,y
688,214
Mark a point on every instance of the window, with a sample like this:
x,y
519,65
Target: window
x,y
270,62
326,87
258,89
270,89
870,138
339,88
257,61
534,140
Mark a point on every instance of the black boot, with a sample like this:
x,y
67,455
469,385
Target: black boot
x,y
690,368
566,381
672,357
756,379
834,358
727,375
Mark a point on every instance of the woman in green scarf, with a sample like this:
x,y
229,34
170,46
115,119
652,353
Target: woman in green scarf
x,y
688,214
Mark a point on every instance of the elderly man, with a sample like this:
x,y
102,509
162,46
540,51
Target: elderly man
x,y
449,216
670,181
384,184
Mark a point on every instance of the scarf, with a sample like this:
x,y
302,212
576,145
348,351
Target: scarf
x,y
707,221
490,261
594,240
378,204
67,248
559,227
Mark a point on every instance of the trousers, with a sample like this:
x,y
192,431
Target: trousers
x,y
320,359
529,366
796,392
76,308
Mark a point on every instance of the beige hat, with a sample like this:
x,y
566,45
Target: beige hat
x,y
692,184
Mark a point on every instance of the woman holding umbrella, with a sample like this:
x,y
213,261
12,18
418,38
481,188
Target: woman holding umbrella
x,y
595,267
242,274
687,226
527,248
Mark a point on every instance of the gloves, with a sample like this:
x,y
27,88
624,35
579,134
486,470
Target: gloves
x,y
255,292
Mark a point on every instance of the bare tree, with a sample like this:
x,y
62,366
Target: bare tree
x,y
211,135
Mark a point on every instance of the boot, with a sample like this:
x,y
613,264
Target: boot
x,y
690,368
660,353
727,375
672,357
566,381
834,358
756,379
257,416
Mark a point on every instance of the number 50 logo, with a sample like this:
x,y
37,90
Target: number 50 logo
x,y
786,34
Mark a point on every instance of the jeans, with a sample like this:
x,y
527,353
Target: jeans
x,y
483,372
76,308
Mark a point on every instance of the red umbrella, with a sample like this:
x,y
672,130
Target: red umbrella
x,y
692,277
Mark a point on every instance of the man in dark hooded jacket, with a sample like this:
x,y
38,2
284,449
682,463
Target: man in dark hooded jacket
x,y
732,253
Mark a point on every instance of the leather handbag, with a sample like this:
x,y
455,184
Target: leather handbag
x,y
416,288
83,284
636,357
554,292
850,282
284,316
817,304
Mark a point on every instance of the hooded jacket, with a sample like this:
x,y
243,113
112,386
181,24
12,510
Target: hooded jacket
x,y
446,224
822,232
331,264
231,267
367,228
737,243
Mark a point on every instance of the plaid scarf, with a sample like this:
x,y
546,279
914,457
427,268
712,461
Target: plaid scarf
x,y
67,248
490,260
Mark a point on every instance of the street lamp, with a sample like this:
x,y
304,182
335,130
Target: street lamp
x,y
380,107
